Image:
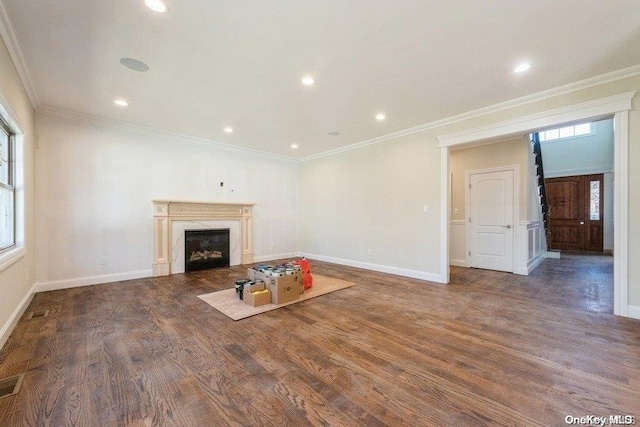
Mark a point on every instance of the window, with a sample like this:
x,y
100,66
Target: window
x,y
583,129
7,188
594,200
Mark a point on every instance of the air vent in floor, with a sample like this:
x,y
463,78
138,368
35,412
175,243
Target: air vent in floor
x,y
10,386
37,314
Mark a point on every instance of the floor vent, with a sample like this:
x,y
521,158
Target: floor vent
x,y
38,314
10,386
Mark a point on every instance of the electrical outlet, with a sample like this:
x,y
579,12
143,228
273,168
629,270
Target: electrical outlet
x,y
370,251
103,260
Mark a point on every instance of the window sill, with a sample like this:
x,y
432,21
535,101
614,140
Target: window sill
x,y
11,256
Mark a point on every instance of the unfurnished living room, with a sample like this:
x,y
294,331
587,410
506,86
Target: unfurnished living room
x,y
340,213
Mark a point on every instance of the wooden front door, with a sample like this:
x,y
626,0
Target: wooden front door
x,y
575,212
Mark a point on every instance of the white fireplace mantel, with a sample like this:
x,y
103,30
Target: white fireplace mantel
x,y
165,212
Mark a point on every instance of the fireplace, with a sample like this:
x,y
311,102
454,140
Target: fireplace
x,y
205,249
172,218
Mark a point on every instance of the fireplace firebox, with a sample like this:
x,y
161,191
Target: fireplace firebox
x,y
205,249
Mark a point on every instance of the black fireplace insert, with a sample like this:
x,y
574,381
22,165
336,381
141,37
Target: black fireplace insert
x,y
205,249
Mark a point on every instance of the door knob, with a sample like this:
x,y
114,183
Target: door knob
x,y
581,222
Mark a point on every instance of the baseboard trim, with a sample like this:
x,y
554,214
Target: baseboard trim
x,y
264,258
90,280
458,263
415,274
536,261
552,254
11,323
633,311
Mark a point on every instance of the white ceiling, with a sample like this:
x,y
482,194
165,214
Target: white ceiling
x,y
217,63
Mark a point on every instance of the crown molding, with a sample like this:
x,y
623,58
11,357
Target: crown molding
x,y
595,108
13,47
131,127
513,103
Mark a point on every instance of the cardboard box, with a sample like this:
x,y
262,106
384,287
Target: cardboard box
x,y
284,288
257,298
255,286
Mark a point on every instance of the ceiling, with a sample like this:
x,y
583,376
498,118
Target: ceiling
x,y
239,63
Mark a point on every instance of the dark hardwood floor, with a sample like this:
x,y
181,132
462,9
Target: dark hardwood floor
x,y
490,348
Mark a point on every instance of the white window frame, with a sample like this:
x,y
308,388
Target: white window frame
x,y
15,252
542,134
10,184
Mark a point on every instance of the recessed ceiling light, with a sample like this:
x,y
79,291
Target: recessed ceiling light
x,y
333,133
228,129
134,64
294,146
380,117
156,5
307,80
121,102
522,67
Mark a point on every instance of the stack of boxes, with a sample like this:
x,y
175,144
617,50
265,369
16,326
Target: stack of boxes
x,y
271,284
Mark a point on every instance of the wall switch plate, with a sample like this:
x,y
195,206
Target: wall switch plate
x,y
425,209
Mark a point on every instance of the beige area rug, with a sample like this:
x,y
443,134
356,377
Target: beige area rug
x,y
227,303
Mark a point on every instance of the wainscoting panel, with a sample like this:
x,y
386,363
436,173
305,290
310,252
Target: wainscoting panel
x,y
531,246
458,246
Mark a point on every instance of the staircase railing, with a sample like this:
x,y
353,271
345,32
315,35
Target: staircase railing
x,y
537,151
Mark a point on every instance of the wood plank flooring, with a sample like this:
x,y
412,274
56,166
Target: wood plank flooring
x,y
490,348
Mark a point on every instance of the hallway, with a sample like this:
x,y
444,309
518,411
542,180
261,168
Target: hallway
x,y
577,281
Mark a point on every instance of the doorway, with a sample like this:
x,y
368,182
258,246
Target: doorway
x,y
576,213
615,105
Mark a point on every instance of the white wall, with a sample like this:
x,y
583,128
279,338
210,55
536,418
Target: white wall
x,y
96,183
16,279
586,155
373,199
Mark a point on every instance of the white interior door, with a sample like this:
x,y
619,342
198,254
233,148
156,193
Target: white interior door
x,y
491,220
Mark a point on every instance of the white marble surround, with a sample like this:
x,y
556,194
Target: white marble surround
x,y
171,218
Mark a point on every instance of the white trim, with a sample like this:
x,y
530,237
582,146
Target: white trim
x,y
513,103
621,147
575,172
457,223
15,53
264,258
528,230
11,323
621,212
145,130
633,311
552,254
11,256
525,124
515,169
534,262
445,208
90,280
422,275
